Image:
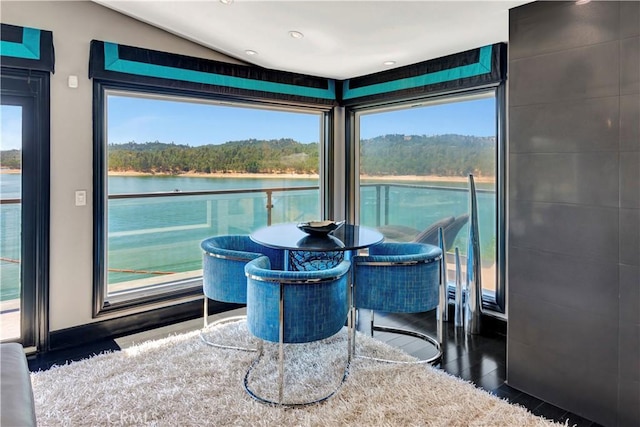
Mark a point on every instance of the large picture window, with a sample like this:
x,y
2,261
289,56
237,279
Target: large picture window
x,y
414,162
176,170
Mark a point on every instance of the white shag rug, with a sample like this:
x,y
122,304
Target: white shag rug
x,y
180,381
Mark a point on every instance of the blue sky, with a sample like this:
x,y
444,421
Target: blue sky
x,y
143,120
10,127
475,117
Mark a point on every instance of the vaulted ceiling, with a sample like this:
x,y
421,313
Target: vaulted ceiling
x,y
334,39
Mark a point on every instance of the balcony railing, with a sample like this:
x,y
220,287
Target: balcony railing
x,y
383,199
154,235
267,191
10,201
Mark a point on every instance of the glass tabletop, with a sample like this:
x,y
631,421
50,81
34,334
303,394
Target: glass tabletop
x,y
288,236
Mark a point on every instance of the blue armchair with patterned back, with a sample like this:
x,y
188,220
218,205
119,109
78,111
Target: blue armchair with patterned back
x,y
223,277
399,278
292,307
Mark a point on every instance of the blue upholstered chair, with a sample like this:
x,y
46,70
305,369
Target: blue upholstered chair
x,y
292,307
399,278
223,278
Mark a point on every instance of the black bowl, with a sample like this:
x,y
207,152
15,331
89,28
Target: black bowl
x,y
320,228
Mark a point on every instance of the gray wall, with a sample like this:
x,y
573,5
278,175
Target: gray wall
x,y
574,207
74,24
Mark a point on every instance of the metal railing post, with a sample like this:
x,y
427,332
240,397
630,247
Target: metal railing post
x,y
377,205
269,206
386,204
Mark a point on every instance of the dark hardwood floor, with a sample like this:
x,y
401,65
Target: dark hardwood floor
x,y
480,359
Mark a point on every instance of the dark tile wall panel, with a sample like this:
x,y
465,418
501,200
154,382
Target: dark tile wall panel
x,y
630,294
630,180
573,285
629,358
573,230
551,284
560,329
629,368
552,128
630,66
629,126
580,73
629,19
575,385
585,178
628,408
546,24
630,237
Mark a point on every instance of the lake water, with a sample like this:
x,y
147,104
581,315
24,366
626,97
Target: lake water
x,y
148,236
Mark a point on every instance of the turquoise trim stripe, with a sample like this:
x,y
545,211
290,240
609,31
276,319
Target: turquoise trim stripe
x,y
483,66
28,49
112,62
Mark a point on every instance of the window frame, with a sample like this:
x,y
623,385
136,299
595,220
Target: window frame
x,y
191,290
493,303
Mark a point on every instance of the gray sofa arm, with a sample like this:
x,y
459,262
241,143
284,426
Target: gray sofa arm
x,y
16,395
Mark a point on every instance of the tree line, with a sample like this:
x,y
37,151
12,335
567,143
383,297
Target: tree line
x,y
440,155
396,154
11,159
250,156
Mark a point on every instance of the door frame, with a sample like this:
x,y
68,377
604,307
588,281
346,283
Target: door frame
x,y
31,89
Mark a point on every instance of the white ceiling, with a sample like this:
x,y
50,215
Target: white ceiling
x,y
342,39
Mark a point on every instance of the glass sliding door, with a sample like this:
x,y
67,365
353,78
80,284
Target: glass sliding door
x,y
24,207
414,163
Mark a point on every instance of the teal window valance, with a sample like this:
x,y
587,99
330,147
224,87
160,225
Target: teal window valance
x,y
26,48
480,67
116,62
474,68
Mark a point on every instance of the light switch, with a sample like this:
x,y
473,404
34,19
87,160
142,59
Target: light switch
x,y
73,81
81,198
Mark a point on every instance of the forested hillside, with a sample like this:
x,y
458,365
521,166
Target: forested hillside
x,y
251,156
11,159
443,155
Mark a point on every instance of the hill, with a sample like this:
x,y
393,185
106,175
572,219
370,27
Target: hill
x,y
394,154
441,155
251,156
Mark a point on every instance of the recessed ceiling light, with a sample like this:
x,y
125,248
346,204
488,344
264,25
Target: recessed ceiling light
x,y
389,63
226,1
250,52
581,2
296,34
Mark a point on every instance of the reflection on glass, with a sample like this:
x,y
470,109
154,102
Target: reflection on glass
x,y
260,166
414,168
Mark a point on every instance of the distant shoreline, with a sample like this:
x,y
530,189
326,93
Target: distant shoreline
x,y
218,175
431,178
408,178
